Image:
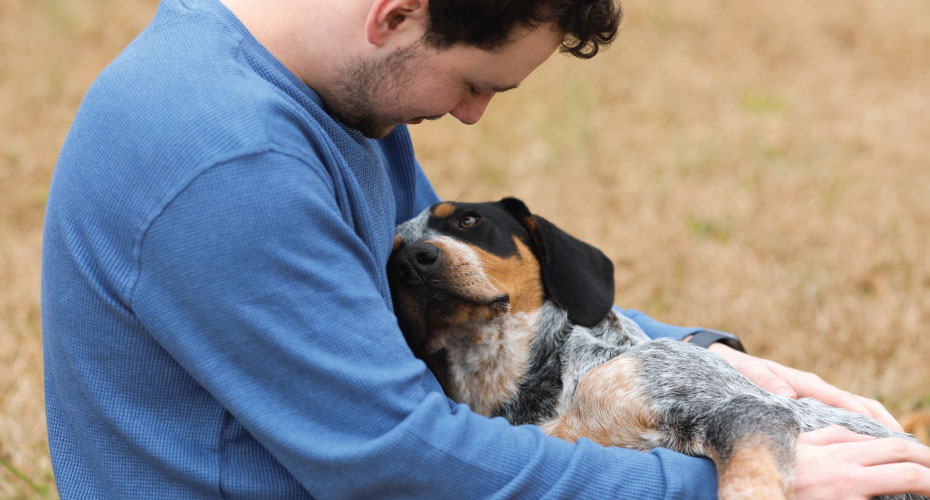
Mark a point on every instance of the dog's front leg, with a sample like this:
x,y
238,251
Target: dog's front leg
x,y
752,444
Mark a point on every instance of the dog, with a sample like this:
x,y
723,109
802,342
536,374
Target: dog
x,y
515,317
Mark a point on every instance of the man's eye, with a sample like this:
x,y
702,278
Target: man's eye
x,y
469,220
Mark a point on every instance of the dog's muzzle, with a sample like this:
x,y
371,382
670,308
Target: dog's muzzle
x,y
416,263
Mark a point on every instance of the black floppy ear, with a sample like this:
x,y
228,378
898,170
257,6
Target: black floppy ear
x,y
577,277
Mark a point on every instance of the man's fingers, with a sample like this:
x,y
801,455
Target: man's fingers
x,y
791,383
776,385
773,382
756,369
847,400
888,451
811,385
858,404
879,413
832,434
860,465
893,479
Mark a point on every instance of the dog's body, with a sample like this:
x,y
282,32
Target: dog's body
x,y
515,318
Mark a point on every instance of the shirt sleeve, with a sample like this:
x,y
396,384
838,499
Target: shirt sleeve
x,y
656,329
255,282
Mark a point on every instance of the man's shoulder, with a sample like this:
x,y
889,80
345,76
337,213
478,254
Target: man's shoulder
x,y
169,108
194,91
173,76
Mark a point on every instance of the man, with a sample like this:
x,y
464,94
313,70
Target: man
x,y
217,321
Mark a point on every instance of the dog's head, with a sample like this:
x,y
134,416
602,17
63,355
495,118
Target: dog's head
x,y
460,272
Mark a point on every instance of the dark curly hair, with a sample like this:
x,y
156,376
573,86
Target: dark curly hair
x,y
588,25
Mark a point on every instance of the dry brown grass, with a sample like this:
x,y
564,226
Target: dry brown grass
x,y
759,167
50,51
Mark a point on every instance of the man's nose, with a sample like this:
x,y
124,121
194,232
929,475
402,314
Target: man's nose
x,y
471,108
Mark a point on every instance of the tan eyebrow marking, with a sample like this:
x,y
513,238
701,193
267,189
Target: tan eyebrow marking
x,y
444,210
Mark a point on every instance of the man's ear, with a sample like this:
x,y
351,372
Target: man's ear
x,y
388,17
577,277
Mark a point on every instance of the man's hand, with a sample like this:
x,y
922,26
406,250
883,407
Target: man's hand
x,y
837,463
792,383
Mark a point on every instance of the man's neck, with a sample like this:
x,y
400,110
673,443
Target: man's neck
x,y
305,35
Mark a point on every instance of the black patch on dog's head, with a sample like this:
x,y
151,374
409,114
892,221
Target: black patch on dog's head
x,y
489,226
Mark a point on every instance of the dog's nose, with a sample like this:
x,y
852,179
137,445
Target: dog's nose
x,y
416,261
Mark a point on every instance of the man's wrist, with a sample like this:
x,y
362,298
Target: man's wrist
x,y
706,338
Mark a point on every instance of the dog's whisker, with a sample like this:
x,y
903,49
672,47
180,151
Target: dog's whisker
x,y
506,287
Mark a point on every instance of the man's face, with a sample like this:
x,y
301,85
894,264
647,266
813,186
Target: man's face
x,y
418,82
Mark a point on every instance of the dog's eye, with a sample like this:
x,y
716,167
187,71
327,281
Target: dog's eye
x,y
469,220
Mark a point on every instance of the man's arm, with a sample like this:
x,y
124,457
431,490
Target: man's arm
x,y
656,329
255,283
770,375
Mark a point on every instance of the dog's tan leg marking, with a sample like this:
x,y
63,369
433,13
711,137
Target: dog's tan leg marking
x,y
751,473
608,408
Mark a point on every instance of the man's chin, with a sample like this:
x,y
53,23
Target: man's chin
x,y
375,131
380,131
366,125
385,130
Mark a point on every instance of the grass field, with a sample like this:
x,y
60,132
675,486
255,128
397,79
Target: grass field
x,y
758,167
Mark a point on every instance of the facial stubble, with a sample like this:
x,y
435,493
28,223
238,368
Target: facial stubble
x,y
365,87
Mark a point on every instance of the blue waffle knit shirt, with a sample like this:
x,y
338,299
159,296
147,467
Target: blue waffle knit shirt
x,y
215,309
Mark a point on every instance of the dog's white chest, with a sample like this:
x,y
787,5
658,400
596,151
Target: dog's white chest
x,y
487,372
